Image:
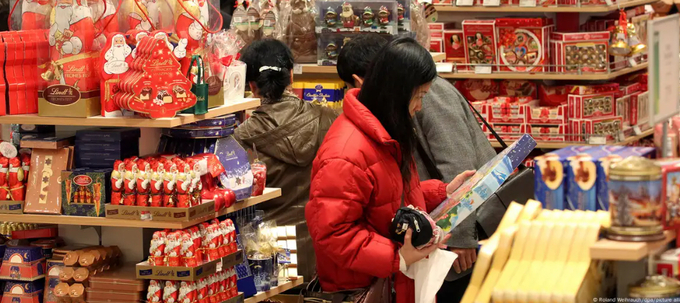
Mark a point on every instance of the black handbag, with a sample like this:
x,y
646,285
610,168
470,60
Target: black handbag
x,y
406,218
518,187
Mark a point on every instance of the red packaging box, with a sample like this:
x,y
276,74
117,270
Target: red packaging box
x,y
639,108
454,47
507,132
591,106
592,89
546,132
623,109
510,113
630,89
441,26
480,41
442,2
547,115
436,45
47,232
477,89
482,109
670,193
437,34
552,95
523,43
606,127
518,88
587,51
23,263
3,81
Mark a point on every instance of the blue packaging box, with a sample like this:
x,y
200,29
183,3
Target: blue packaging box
x,y
549,174
111,135
603,170
582,176
237,176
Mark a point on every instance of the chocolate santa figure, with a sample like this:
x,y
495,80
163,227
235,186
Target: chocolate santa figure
x,y
183,185
170,292
116,56
143,182
138,38
35,14
301,36
117,182
107,22
169,184
114,65
347,16
4,171
130,183
71,36
196,184
157,249
156,195
173,248
17,188
154,292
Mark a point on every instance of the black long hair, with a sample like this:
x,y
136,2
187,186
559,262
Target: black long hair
x,y
391,80
270,53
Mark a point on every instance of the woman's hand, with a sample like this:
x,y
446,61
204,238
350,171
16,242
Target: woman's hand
x,y
458,181
412,255
466,258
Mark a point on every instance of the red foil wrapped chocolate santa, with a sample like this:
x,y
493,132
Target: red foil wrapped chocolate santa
x,y
117,182
4,176
17,179
35,14
143,182
130,183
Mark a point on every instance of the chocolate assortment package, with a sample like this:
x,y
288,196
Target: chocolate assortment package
x,y
482,185
44,194
85,191
24,263
100,148
238,175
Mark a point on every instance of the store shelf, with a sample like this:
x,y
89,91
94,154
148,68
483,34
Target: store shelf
x,y
269,193
237,299
545,76
550,9
180,119
558,145
310,68
606,249
260,296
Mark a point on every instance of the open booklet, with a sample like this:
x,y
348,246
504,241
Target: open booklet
x,y
482,185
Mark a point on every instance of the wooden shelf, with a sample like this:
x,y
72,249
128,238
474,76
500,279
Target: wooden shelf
x,y
606,249
260,296
558,145
237,299
180,119
549,9
310,68
269,193
545,76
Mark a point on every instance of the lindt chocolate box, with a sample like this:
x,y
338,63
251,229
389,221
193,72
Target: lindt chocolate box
x,y
592,106
24,263
587,52
85,191
546,132
547,115
505,112
23,292
608,128
237,176
480,41
227,120
639,108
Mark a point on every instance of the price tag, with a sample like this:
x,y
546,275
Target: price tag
x,y
145,215
8,150
527,3
297,69
637,130
444,67
621,136
464,2
492,3
593,140
482,69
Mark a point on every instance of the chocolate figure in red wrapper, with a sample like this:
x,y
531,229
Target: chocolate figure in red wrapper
x,y
183,184
154,292
4,170
130,183
35,14
170,292
143,182
107,21
17,188
157,249
117,182
188,250
157,184
169,184
26,163
187,292
188,29
173,248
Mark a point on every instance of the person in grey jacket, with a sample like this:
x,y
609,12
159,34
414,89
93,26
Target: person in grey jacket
x,y
451,139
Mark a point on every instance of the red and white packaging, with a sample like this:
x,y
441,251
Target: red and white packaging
x,y
592,106
546,132
547,115
480,42
170,292
477,89
157,249
154,293
214,240
482,109
630,89
510,113
569,48
518,88
523,43
552,95
592,89
188,250
437,44
187,292
454,47
639,108
173,247
623,109
608,127
202,290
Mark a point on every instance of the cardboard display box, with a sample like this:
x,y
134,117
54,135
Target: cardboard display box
x,y
171,214
11,207
182,273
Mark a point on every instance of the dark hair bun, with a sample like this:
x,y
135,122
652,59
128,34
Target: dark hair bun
x,y
268,65
272,83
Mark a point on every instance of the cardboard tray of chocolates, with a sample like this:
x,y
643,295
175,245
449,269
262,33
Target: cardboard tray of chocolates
x,y
11,207
168,214
147,271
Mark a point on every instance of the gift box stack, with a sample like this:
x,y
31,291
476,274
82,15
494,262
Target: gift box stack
x,y
100,148
116,286
195,138
24,269
326,93
576,177
560,113
339,21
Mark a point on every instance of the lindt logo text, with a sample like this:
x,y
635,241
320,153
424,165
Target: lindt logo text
x,y
75,69
62,92
127,212
168,273
161,214
158,62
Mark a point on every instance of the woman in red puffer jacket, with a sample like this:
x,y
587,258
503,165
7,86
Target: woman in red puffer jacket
x,y
364,166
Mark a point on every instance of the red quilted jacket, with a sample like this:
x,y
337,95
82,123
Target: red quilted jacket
x,y
356,190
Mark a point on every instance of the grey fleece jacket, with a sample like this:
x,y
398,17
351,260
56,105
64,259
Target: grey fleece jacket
x,y
453,139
